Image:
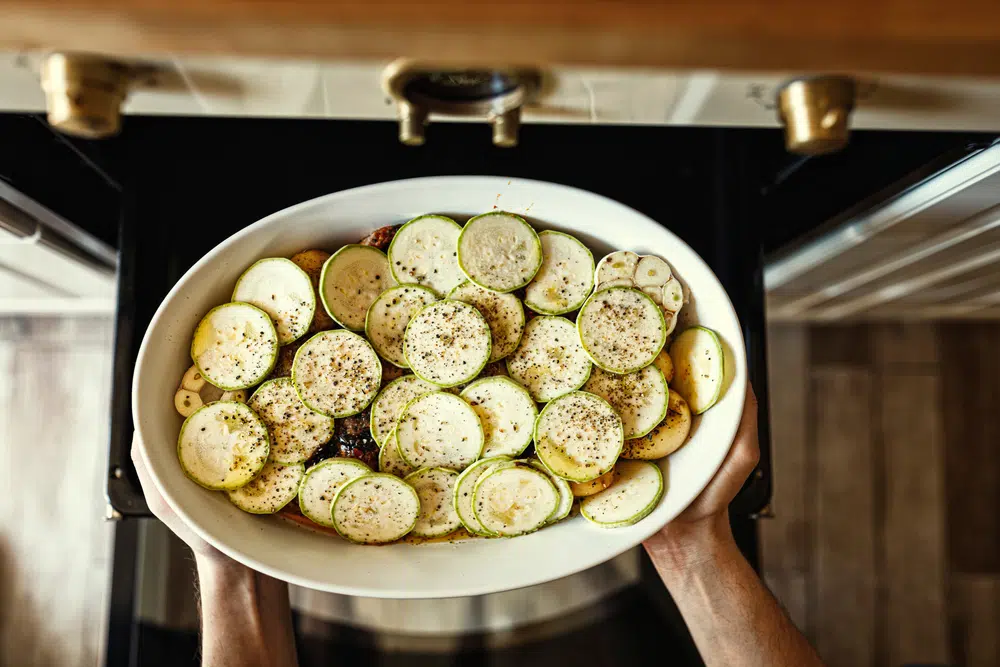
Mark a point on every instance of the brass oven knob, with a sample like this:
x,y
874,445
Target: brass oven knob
x,y
84,93
816,112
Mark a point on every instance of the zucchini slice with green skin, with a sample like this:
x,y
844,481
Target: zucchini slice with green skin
x,y
424,251
549,361
351,280
436,488
578,436
507,413
447,343
336,373
499,251
320,485
296,431
275,486
439,430
389,460
621,329
514,499
668,436
465,487
640,398
699,367
235,346
566,277
637,489
222,445
389,404
388,316
283,291
503,313
566,498
375,509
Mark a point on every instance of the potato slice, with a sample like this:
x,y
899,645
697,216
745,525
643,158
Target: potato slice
x,y
584,489
667,437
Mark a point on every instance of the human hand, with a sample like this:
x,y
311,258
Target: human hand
x,y
162,511
698,532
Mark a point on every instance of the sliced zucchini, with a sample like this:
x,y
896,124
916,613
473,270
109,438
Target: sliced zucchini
x,y
296,431
390,402
565,505
503,313
635,493
223,445
506,411
389,460
578,436
375,509
320,485
513,499
351,280
549,361
621,329
699,367
566,277
447,343
465,487
425,251
336,373
639,398
283,291
436,489
388,316
235,346
499,251
275,486
439,430
618,265
651,271
667,437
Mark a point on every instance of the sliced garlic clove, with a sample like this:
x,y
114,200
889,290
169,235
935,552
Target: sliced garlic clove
x,y
651,271
654,293
673,296
192,380
671,320
187,402
616,266
621,282
240,396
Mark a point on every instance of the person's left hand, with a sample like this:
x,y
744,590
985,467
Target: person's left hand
x,y
159,507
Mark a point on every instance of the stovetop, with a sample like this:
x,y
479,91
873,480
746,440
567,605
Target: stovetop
x,y
201,180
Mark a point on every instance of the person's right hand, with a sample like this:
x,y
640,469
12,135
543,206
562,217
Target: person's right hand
x,y
158,506
697,531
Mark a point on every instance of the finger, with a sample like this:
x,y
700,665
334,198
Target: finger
x,y
742,457
157,505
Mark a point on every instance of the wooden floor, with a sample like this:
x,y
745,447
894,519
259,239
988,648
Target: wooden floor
x,y
55,378
885,548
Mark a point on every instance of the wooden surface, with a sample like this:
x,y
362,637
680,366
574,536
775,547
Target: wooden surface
x,y
926,36
54,543
892,431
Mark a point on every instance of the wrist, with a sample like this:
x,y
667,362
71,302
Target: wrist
x,y
683,546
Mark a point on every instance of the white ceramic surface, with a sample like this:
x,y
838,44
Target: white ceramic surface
x,y
466,567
